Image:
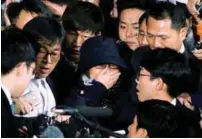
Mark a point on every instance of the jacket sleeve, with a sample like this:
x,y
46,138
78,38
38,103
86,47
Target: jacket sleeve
x,y
87,95
93,94
196,99
5,122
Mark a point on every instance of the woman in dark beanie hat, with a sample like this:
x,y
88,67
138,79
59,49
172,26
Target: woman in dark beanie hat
x,y
103,81
100,50
100,67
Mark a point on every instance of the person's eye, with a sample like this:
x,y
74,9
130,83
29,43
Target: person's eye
x,y
54,54
122,27
86,37
150,36
136,27
164,38
142,34
42,52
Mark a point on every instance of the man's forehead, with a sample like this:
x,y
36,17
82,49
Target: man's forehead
x,y
83,32
160,23
159,33
54,47
159,27
133,23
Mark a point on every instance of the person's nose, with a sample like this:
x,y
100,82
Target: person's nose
x,y
129,32
79,40
144,41
48,59
157,43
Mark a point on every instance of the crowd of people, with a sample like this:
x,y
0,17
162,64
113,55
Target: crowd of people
x,y
63,59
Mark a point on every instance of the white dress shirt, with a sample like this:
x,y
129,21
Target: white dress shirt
x,y
182,49
175,1
41,96
174,102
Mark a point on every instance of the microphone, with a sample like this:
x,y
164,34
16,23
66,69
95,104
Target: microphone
x,y
85,111
64,110
94,111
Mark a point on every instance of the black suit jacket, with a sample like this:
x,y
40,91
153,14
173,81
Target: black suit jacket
x,y
9,123
191,119
6,115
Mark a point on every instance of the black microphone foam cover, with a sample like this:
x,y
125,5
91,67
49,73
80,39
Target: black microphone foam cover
x,y
94,111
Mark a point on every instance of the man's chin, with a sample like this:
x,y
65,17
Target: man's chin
x,y
140,99
42,75
75,58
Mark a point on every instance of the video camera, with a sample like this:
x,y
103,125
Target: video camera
x,y
41,122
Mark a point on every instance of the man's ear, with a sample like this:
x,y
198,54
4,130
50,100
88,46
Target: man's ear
x,y
141,133
159,84
20,68
183,33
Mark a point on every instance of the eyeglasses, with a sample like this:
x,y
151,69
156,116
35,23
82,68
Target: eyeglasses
x,y
53,56
111,66
140,74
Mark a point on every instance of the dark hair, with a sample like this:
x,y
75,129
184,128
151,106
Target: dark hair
x,y
167,10
161,119
13,11
49,30
15,48
62,1
83,16
143,17
36,6
137,55
178,72
130,4
184,7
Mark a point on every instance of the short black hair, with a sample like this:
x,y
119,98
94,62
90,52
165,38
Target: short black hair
x,y
36,6
83,16
15,48
167,10
179,72
163,120
63,1
143,17
13,11
48,29
130,4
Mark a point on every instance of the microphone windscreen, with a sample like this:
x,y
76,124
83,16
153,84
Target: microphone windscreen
x,y
94,111
52,132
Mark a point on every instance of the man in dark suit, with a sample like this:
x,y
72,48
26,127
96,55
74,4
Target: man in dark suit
x,y
157,118
18,58
81,21
175,73
167,28
160,78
